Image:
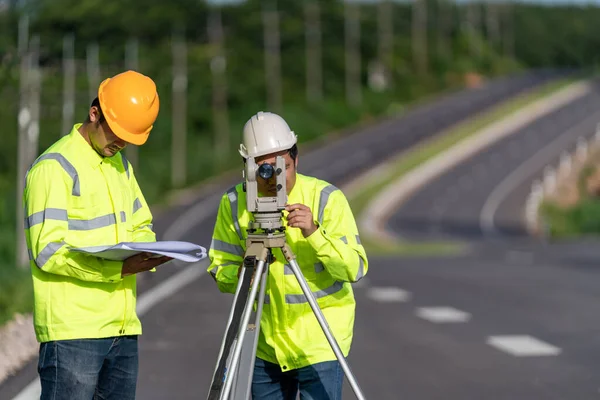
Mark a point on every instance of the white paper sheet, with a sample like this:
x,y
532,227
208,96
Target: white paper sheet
x,y
184,251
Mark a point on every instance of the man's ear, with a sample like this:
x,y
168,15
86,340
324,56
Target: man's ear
x,y
94,114
296,161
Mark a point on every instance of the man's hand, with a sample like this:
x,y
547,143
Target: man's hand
x,y
142,262
301,217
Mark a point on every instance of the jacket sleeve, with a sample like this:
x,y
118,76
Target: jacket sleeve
x,y
337,241
45,201
142,216
226,252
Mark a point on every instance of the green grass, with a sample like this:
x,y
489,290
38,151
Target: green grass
x,y
429,149
579,219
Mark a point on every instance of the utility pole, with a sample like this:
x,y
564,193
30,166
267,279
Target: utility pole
x,y
509,25
93,70
491,22
179,110
24,122
218,68
353,67
33,131
272,55
419,36
473,30
69,74
386,38
445,26
29,128
132,63
314,70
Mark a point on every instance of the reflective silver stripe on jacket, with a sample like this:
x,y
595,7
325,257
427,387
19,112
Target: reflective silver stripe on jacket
x,y
361,269
225,247
125,163
137,204
41,216
58,214
67,166
94,223
287,269
301,298
233,200
48,252
323,200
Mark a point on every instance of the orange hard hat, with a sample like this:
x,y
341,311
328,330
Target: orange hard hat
x,y
130,105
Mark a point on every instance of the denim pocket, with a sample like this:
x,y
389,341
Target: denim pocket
x,y
47,358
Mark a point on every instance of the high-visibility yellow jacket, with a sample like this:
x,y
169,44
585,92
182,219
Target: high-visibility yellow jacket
x,y
76,198
330,259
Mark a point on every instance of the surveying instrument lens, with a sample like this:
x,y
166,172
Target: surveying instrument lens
x,y
266,171
232,378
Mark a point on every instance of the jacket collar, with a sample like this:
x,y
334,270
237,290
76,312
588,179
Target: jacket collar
x,y
87,152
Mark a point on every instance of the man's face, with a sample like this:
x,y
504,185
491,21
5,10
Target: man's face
x,y
102,138
267,187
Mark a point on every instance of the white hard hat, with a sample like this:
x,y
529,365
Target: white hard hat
x,y
266,133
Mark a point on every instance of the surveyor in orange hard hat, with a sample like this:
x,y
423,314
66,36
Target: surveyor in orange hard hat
x,y
82,192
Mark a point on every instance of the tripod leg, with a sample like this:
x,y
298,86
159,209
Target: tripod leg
x,y
233,325
245,371
323,322
230,319
237,349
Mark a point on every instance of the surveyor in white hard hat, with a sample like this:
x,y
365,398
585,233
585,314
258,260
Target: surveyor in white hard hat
x,y
293,353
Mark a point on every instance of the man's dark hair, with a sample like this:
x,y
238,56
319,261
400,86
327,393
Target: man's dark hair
x,y
95,103
293,152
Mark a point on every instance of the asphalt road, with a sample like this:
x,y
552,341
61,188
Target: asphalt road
x,y
454,205
514,319
182,333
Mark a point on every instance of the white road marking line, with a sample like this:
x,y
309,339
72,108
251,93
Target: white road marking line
x,y
389,295
523,346
441,315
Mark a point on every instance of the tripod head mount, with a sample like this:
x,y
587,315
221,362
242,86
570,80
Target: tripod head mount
x,y
267,211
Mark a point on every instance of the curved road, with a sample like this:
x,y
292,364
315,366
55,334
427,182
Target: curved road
x,y
513,319
184,320
485,197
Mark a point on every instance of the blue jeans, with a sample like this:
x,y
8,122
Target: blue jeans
x,y
322,381
87,369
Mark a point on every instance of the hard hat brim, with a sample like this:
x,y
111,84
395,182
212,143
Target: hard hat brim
x,y
137,139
